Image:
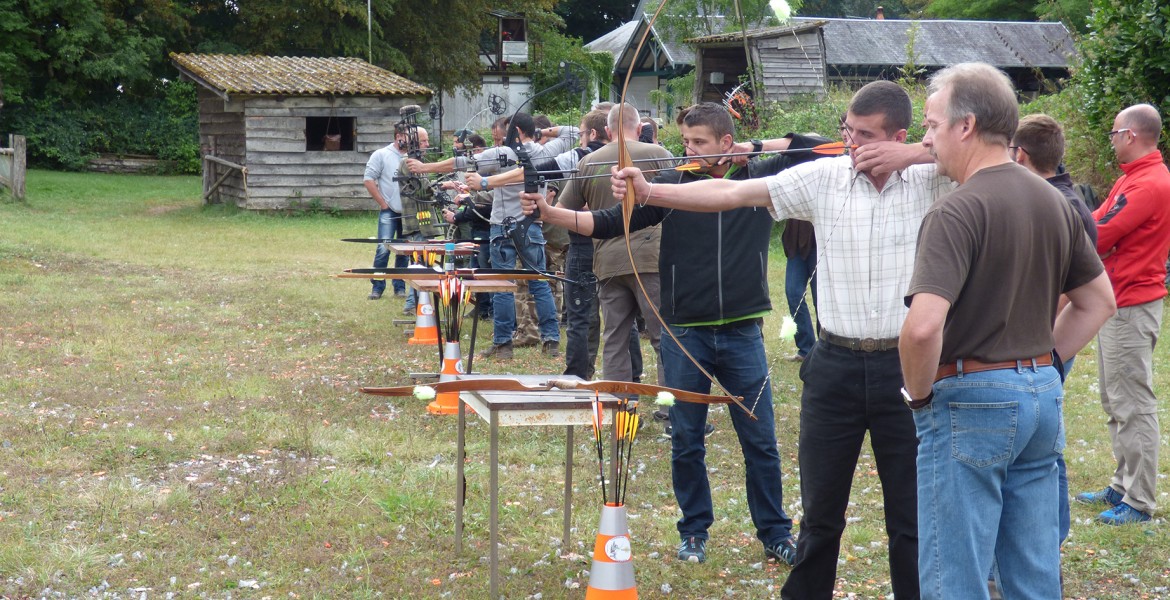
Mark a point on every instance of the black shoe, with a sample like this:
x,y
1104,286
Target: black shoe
x,y
374,295
551,348
708,429
399,293
785,552
693,549
661,415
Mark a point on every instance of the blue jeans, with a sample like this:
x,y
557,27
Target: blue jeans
x,y
582,322
734,354
987,478
797,272
389,227
503,303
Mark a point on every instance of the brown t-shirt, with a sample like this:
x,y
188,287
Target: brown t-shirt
x,y
1001,248
610,257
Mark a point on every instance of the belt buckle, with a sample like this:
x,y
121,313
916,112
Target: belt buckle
x,y
869,345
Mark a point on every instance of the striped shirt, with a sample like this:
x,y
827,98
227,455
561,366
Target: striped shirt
x,y
866,238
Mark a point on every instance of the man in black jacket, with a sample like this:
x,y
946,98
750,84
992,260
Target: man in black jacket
x,y
714,294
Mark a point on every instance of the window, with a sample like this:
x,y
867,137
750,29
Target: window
x,y
316,128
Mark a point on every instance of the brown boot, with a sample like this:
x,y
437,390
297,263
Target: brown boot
x,y
498,352
551,348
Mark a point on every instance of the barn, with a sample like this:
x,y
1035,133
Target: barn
x,y
280,132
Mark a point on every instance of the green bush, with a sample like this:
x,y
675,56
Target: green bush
x,y
66,136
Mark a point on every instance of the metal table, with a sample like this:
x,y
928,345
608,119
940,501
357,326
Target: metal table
x,y
508,409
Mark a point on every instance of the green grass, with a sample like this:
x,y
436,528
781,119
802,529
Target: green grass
x,y
179,413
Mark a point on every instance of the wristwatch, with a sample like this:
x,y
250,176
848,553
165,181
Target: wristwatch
x,y
757,146
483,183
916,404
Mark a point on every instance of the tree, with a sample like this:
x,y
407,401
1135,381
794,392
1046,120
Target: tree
x,y
983,10
591,19
1125,60
684,19
893,9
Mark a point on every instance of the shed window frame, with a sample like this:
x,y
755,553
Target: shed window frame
x,y
316,127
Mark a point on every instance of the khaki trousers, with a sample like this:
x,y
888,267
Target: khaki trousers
x,y
1125,366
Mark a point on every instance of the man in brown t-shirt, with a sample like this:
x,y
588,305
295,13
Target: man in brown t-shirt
x,y
993,257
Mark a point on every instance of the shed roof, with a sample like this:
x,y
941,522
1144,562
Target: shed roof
x,y
751,34
940,43
229,74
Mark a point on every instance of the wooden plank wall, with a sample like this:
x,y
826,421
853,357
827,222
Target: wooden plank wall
x,y
282,175
793,65
221,133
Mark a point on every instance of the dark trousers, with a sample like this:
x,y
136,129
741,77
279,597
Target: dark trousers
x,y
582,322
846,394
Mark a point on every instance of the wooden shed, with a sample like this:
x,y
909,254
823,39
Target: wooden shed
x,y
790,59
263,121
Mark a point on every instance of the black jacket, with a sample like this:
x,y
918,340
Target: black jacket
x,y
713,266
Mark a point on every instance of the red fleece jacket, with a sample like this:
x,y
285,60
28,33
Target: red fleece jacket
x,y
1133,231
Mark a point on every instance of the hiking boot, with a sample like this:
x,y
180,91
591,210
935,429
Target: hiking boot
x,y
1108,496
374,295
693,549
785,551
708,429
399,293
551,348
661,414
498,352
1123,514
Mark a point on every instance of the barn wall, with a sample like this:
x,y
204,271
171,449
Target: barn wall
x,y
282,174
221,134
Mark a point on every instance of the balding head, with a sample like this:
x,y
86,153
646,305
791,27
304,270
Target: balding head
x,y
1144,120
1135,134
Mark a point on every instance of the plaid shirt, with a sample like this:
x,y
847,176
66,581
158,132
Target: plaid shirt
x,y
866,238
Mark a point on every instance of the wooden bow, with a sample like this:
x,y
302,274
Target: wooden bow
x,y
506,384
628,202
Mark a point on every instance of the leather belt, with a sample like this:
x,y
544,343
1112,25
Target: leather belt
x,y
860,345
733,325
970,365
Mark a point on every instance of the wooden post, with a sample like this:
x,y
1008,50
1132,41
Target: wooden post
x,y
19,165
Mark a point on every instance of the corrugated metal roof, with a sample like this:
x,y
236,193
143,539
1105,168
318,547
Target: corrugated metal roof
x,y
941,43
294,76
765,32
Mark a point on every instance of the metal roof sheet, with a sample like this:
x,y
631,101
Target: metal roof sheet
x,y
294,75
942,43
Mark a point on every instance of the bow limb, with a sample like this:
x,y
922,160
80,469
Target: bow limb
x,y
628,209
502,384
641,389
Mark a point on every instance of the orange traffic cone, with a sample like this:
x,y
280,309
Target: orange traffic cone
x,y
612,575
447,403
426,329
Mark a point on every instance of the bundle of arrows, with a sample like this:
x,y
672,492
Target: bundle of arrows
x,y
453,294
625,426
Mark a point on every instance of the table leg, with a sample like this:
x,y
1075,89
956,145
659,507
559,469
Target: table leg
x,y
460,475
494,522
471,345
568,487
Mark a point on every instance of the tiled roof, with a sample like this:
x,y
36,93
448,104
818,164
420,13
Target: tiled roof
x,y
294,76
735,36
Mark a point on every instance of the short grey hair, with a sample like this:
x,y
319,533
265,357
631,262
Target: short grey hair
x,y
983,91
630,116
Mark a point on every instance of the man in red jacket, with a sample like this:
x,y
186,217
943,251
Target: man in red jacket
x,y
1133,227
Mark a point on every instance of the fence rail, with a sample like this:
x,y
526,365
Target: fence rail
x,y
14,166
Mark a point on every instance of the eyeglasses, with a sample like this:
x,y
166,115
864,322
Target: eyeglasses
x,y
1015,150
1115,132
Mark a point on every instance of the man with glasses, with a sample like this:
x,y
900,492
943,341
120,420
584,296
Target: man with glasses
x,y
866,221
1133,226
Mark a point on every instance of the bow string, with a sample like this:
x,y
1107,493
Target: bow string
x,y
628,202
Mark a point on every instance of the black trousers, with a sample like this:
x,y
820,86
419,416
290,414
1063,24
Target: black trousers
x,y
582,321
847,393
